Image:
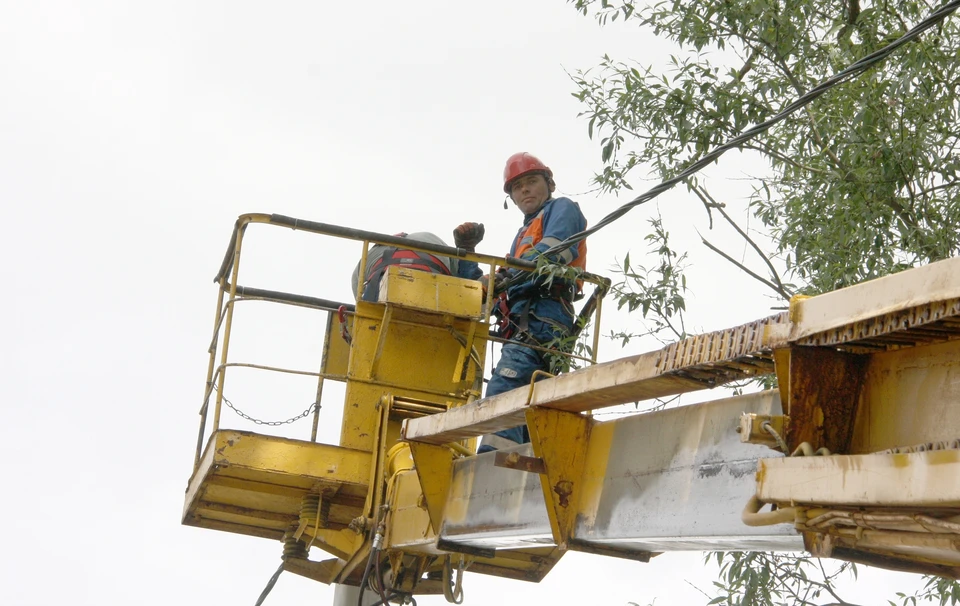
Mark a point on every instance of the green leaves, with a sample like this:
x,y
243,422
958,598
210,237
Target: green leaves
x,y
656,292
861,184
770,579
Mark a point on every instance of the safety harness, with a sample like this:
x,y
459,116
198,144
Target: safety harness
x,y
406,258
519,329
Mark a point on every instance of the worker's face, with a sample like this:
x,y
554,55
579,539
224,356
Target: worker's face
x,y
530,192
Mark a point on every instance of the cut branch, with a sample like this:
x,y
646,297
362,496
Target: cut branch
x,y
709,202
745,269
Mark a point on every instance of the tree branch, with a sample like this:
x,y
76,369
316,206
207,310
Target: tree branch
x,y
748,64
747,271
785,159
925,192
708,201
829,587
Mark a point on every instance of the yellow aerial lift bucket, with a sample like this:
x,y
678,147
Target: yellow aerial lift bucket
x,y
418,350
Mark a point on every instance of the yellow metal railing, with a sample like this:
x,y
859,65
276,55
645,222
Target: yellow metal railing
x,y
232,292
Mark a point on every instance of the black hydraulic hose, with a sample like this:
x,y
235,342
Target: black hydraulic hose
x,y
396,594
366,576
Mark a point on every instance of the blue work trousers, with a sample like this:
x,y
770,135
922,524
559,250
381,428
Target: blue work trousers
x,y
516,367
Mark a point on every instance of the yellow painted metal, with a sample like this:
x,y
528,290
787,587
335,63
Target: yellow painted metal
x,y
431,292
781,359
595,470
405,349
399,458
910,396
596,329
916,480
560,439
362,268
936,282
522,565
345,569
933,554
408,522
434,467
208,384
324,572
468,353
241,228
417,351
699,362
762,429
253,484
338,351
340,543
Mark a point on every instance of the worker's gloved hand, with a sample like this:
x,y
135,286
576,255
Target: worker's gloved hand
x,y
499,280
468,235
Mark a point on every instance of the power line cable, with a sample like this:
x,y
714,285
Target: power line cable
x,y
852,70
269,587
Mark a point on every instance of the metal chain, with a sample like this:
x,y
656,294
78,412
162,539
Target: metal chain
x,y
244,415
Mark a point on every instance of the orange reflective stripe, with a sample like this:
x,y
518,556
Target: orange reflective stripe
x,y
533,234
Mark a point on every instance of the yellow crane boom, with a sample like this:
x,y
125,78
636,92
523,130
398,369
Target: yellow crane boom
x,y
856,454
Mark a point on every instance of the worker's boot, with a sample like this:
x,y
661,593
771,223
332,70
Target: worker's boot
x,y
505,438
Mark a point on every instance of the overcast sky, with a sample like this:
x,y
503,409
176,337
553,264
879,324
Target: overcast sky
x,y
131,137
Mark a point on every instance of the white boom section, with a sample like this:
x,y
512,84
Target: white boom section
x,y
679,479
673,480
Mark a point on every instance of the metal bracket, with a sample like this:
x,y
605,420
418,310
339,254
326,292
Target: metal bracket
x,y
514,460
752,431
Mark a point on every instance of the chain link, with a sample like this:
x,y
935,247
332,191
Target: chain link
x,y
313,406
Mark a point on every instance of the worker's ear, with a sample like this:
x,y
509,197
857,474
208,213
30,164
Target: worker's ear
x,y
551,185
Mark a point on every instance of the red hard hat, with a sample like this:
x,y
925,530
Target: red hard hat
x,y
521,164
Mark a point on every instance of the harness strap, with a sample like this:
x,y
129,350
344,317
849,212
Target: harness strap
x,y
408,258
405,258
506,328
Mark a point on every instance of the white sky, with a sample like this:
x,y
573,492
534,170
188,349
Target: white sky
x,y
133,134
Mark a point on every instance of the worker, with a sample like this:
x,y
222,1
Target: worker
x,y
466,236
535,311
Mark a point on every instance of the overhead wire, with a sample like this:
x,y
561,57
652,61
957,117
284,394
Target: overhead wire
x,y
852,70
270,584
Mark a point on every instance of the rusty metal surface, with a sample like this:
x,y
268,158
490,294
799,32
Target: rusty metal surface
x,y
678,479
825,386
738,350
514,460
